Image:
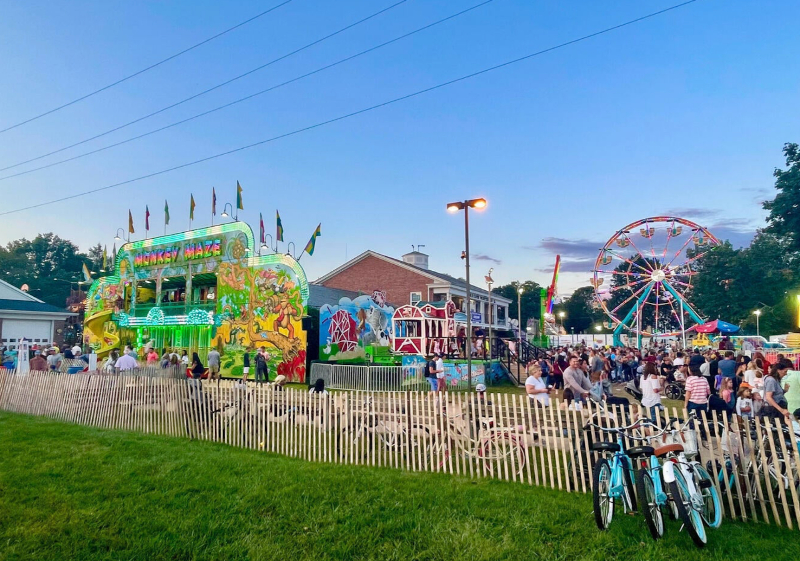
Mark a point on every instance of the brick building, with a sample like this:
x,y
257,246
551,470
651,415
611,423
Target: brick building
x,y
409,280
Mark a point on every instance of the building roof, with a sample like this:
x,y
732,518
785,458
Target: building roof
x,y
433,275
36,306
319,295
10,292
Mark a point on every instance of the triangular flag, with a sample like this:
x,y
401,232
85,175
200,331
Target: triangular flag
x,y
262,236
213,202
146,217
313,241
239,203
191,208
87,276
166,212
279,228
130,223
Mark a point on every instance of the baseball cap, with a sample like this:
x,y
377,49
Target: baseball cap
x,y
480,388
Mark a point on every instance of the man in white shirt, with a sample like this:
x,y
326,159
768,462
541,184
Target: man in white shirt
x,y
126,361
77,351
440,380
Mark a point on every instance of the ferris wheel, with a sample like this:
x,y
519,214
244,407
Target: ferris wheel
x,y
643,276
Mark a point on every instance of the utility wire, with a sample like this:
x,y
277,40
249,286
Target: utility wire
x,y
240,100
211,89
354,113
143,70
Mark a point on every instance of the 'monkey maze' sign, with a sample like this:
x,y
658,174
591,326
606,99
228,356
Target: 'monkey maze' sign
x,y
191,251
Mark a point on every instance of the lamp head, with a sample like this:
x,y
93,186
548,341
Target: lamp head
x,y
455,207
224,214
521,290
757,312
478,203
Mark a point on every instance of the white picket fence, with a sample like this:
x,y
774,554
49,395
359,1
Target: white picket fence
x,y
504,436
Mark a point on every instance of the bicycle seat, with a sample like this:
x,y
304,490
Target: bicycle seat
x,y
640,451
668,448
605,447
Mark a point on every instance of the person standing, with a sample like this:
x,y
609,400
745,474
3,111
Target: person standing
x,y
38,362
651,389
54,359
126,361
261,366
775,405
198,370
246,365
441,381
791,388
697,392
213,364
430,373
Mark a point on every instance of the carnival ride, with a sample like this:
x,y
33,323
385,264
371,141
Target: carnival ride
x,y
645,289
101,333
547,323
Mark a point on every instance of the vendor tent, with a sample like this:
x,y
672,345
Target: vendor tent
x,y
717,325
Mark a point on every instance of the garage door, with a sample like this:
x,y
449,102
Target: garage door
x,y
32,330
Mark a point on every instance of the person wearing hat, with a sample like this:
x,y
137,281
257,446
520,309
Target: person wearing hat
x,y
38,362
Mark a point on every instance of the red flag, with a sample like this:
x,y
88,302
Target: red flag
x,y
146,217
262,236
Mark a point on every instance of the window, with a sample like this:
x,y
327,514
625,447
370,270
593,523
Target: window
x,y
416,297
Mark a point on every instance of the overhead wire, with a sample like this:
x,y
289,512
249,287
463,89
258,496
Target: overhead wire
x,y
213,88
251,96
146,69
353,113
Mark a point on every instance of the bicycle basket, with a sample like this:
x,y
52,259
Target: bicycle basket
x,y
686,438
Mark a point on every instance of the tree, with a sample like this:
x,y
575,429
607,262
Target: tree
x,y
96,257
530,303
784,209
48,264
579,314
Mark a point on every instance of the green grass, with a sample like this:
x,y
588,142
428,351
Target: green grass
x,y
71,492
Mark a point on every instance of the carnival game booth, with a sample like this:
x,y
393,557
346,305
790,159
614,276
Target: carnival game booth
x,y
201,289
423,328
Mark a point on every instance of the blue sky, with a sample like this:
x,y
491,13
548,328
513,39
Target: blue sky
x,y
685,113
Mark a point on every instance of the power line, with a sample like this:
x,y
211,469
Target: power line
x,y
354,113
251,96
209,90
143,70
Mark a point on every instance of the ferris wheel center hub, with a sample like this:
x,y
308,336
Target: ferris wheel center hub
x,y
658,275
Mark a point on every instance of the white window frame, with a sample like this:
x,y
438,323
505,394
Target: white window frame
x,y
419,297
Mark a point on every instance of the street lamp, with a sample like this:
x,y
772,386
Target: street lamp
x,y
225,213
758,315
519,316
117,237
489,281
465,206
561,315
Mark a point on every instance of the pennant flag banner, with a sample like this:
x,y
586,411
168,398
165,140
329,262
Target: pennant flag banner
x,y
87,276
213,202
279,229
166,212
130,223
313,241
239,203
191,208
146,217
262,236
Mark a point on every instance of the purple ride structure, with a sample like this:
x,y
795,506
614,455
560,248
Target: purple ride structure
x,y
643,276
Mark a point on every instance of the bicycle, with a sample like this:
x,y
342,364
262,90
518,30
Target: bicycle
x,y
612,481
691,488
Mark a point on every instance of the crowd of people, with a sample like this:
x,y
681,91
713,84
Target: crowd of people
x,y
719,380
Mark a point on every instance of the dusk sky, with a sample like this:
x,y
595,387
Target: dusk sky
x,y
683,114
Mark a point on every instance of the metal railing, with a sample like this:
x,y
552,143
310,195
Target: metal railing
x,y
368,377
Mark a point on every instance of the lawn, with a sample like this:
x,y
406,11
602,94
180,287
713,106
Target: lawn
x,y
71,492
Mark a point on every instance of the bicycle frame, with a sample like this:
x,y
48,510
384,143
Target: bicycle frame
x,y
619,462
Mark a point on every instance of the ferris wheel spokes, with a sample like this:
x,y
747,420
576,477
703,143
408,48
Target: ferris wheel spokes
x,y
621,258
639,251
632,296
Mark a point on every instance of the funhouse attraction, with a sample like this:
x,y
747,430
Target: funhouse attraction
x,y
203,289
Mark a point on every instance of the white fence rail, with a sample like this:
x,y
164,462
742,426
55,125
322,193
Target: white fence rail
x,y
370,378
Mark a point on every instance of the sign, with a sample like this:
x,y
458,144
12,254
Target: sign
x,y
476,317
191,251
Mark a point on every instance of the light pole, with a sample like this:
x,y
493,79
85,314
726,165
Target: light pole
x,y
465,206
561,315
519,318
117,237
758,329
489,282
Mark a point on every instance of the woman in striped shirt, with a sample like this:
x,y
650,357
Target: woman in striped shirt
x,y
697,391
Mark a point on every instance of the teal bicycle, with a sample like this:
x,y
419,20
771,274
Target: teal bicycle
x,y
612,480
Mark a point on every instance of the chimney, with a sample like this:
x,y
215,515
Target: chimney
x,y
416,258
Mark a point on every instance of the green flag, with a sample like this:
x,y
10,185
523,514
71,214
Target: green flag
x,y
313,241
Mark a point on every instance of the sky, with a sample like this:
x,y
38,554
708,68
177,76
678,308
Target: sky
x,y
683,114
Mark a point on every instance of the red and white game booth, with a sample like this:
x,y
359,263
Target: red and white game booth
x,y
423,328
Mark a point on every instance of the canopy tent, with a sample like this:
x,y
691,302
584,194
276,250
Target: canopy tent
x,y
717,325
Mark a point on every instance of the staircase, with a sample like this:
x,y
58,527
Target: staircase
x,y
515,363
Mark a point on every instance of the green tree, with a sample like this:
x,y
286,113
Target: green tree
x,y
784,209
579,313
530,302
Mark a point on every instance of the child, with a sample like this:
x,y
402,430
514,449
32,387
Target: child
x,y
726,392
718,382
744,403
758,403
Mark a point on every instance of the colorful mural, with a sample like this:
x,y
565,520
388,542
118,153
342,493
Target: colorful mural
x,y
201,289
348,327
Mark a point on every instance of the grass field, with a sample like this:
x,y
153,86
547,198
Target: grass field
x,y
71,492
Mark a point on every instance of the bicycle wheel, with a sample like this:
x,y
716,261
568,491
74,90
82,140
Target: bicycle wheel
x,y
650,507
712,510
629,494
602,500
692,520
502,449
